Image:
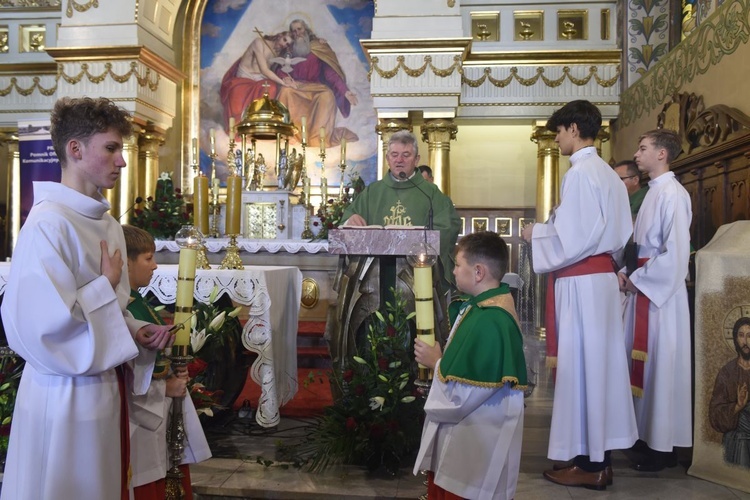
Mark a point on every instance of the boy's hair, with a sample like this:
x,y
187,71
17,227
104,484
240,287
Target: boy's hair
x,y
425,168
81,118
663,138
137,241
632,167
585,115
404,137
487,247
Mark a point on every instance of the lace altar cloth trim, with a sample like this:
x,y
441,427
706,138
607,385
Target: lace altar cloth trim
x,y
246,287
215,245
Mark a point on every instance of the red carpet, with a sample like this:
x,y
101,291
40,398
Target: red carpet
x,y
312,396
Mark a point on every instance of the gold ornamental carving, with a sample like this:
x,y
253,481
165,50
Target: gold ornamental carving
x,y
310,293
528,82
80,7
143,81
413,72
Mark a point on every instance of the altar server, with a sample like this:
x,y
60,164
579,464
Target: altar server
x,y
64,313
592,411
471,440
657,319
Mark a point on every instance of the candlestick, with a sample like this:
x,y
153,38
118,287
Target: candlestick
x,y
323,192
322,140
215,185
343,150
212,140
234,204
304,130
200,202
184,300
231,126
195,151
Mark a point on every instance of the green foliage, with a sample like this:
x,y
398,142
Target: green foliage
x,y
330,218
11,368
216,344
377,420
164,213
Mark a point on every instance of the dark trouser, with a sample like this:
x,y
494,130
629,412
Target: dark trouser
x,y
583,462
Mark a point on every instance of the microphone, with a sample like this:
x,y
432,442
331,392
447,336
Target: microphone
x,y
137,201
402,175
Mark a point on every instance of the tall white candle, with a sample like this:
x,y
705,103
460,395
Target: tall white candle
x,y
304,129
322,140
195,151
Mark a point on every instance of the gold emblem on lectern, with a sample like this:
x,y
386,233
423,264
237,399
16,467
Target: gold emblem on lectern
x,y
310,293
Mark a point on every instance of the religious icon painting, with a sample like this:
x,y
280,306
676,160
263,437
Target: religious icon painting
x,y
523,222
306,58
504,226
479,224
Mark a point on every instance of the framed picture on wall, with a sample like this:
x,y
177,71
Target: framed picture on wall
x,y
479,224
504,226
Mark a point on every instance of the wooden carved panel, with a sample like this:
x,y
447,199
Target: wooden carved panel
x,y
714,166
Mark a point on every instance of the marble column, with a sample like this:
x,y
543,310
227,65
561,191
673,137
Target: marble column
x,y
438,134
149,143
385,129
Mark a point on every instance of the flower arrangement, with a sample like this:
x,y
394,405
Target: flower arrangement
x,y
215,339
164,213
330,218
11,367
377,420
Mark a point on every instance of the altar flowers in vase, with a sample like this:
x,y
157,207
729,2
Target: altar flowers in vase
x,y
164,213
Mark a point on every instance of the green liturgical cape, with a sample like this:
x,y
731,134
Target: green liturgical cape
x,y
389,202
486,348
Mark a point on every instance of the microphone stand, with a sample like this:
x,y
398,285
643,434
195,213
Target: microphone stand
x,y
402,175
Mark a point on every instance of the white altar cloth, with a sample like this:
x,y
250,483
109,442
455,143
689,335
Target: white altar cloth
x,y
215,245
273,295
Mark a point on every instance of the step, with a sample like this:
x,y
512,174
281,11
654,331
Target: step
x,y
311,328
320,351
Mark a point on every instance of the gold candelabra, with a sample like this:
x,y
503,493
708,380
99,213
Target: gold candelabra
x,y
232,259
342,167
323,182
179,357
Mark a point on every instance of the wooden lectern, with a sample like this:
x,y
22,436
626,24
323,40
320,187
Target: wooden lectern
x,y
371,262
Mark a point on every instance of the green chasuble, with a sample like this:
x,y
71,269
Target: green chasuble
x,y
140,309
389,202
636,199
486,348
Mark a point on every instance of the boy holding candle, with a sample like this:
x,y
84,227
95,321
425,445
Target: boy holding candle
x,y
84,352
471,441
149,413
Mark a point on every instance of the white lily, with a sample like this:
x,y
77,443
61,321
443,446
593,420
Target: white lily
x,y
165,176
198,339
217,321
377,402
235,312
214,293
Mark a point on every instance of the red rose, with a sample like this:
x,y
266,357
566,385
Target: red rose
x,y
351,424
393,425
177,190
359,390
390,331
196,367
382,363
150,198
348,375
329,225
155,224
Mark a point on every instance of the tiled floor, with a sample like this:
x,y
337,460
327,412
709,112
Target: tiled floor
x,y
243,477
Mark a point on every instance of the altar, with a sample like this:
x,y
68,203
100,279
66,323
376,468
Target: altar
x,y
272,295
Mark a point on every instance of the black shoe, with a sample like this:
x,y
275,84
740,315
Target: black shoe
x,y
656,461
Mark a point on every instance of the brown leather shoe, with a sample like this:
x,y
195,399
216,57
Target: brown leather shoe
x,y
575,476
607,471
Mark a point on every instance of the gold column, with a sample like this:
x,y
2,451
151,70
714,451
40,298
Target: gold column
x,y
438,134
123,194
547,197
12,165
385,129
148,160
547,172
602,137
